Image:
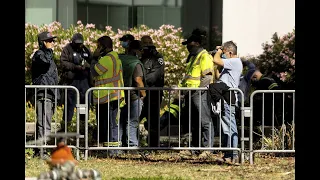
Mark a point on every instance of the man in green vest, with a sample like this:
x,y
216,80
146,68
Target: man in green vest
x,y
133,76
106,69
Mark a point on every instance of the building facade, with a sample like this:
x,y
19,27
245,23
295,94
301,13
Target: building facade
x,y
247,22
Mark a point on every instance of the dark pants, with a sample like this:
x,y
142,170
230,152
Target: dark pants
x,y
152,110
106,123
206,122
45,111
71,101
164,120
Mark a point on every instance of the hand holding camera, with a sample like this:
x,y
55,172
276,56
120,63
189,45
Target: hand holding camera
x,y
218,49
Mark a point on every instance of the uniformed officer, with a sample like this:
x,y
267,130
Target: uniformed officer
x,y
199,73
75,64
261,82
154,66
44,72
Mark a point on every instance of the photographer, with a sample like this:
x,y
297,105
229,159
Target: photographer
x,y
226,57
75,64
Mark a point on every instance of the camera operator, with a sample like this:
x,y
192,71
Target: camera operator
x,y
75,64
226,57
153,63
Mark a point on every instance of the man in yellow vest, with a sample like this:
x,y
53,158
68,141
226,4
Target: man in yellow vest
x,y
199,73
106,69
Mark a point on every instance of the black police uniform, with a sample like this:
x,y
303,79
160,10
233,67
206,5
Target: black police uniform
x,y
44,72
266,83
71,61
154,66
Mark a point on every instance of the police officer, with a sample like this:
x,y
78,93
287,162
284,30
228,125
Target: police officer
x,y
75,64
261,82
44,72
154,66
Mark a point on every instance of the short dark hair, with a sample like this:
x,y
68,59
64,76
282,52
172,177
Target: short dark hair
x,y
230,46
105,41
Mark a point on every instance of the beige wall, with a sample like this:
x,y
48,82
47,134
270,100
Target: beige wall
x,y
252,22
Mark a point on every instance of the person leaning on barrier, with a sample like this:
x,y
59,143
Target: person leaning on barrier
x,y
244,86
260,81
171,111
226,56
199,73
133,76
106,69
44,72
125,40
75,64
154,66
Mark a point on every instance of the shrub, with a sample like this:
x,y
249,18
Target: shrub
x,y
278,59
167,39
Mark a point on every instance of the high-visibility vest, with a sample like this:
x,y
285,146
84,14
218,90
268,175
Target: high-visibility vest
x,y
109,68
197,67
174,110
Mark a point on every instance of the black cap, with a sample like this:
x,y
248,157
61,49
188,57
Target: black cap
x,y
127,37
194,38
77,38
105,41
45,36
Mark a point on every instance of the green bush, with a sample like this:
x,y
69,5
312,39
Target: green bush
x,y
167,39
278,58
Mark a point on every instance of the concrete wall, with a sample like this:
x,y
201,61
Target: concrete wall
x,y
252,22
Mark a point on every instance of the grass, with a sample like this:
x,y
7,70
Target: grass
x,y
171,167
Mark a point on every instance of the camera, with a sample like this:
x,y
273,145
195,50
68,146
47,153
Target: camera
x,y
213,52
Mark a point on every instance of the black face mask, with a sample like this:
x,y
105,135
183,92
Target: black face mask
x,y
192,49
148,50
254,83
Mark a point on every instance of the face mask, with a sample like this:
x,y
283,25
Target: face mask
x,y
223,56
254,83
148,50
192,49
124,44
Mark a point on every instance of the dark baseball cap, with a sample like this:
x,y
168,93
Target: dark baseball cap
x,y
194,38
77,38
45,36
127,37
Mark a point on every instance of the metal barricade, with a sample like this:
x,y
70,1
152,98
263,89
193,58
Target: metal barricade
x,y
42,142
280,100
170,145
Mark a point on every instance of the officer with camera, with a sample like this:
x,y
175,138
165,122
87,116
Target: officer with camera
x,y
75,65
154,66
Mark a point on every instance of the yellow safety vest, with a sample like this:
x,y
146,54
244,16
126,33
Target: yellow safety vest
x,y
109,68
174,109
197,67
